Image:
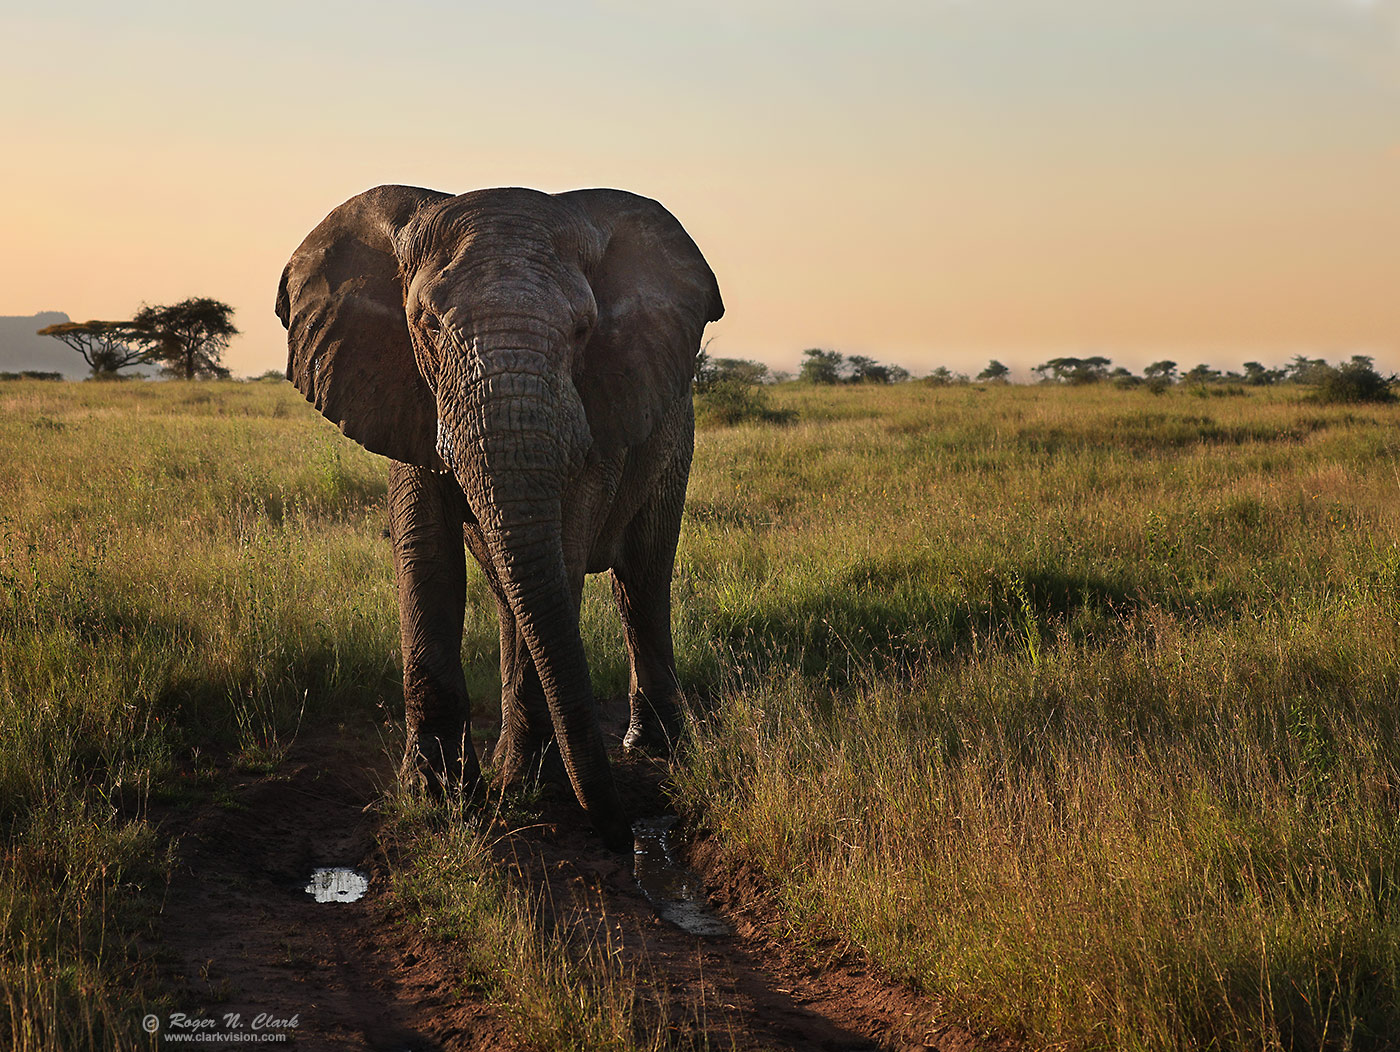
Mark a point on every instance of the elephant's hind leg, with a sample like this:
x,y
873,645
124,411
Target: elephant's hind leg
x,y
642,588
426,511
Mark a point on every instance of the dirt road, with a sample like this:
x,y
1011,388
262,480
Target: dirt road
x,y
246,950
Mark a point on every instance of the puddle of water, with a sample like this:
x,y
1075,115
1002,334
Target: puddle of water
x,y
675,893
337,884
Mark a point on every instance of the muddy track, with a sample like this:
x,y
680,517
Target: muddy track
x,y
240,935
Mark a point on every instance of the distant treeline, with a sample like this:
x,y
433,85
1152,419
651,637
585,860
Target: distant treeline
x,y
1355,380
1097,369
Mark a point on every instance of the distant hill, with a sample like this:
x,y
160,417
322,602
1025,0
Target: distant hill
x,y
21,348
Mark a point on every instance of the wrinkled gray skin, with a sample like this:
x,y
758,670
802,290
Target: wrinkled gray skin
x,y
524,359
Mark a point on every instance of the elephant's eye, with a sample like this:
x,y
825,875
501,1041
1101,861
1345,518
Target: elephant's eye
x,y
581,329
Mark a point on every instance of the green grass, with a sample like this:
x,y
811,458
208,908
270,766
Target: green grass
x,y
1073,707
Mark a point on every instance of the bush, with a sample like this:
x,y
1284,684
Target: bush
x,y
730,402
1124,379
822,367
1216,390
1356,381
944,377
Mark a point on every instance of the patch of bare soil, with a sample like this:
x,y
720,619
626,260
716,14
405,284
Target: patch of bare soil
x,y
240,935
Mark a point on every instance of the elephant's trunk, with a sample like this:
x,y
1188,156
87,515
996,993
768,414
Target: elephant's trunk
x,y
513,436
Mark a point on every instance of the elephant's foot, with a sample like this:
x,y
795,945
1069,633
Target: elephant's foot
x,y
446,763
655,727
528,764
615,832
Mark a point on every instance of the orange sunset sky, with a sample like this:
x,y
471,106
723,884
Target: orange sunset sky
x,y
931,183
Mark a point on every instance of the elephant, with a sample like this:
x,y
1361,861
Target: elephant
x,y
525,362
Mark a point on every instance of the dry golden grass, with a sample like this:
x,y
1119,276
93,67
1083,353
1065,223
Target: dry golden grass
x,y
1075,707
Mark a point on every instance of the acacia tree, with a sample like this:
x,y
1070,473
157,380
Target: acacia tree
x,y
995,372
187,338
106,346
1074,370
1165,370
866,370
1305,370
821,367
1257,374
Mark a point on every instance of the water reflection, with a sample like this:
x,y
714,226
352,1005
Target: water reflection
x,y
675,893
337,884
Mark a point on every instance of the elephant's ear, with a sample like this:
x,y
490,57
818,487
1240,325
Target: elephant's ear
x,y
655,293
348,348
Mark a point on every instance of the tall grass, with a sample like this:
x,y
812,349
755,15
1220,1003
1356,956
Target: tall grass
x,y
183,568
1075,707
554,968
189,571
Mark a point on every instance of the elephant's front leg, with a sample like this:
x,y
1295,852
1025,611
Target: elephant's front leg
x,y
426,511
526,753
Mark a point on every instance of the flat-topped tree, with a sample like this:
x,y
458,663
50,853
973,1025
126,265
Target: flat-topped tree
x,y
187,338
106,346
1074,370
866,370
1165,371
995,372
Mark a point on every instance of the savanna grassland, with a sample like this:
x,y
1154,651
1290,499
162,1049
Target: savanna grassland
x,y
1073,707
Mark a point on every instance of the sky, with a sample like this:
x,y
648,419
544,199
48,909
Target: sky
x,y
930,183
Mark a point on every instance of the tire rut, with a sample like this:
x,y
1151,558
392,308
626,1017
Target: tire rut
x,y
239,935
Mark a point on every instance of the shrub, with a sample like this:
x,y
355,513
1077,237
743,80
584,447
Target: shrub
x,y
1216,390
944,377
1356,381
730,402
822,367
866,370
712,370
1124,379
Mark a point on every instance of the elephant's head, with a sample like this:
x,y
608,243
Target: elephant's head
x,y
466,334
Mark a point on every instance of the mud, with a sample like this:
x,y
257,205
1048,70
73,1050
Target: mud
x,y
241,936
674,892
